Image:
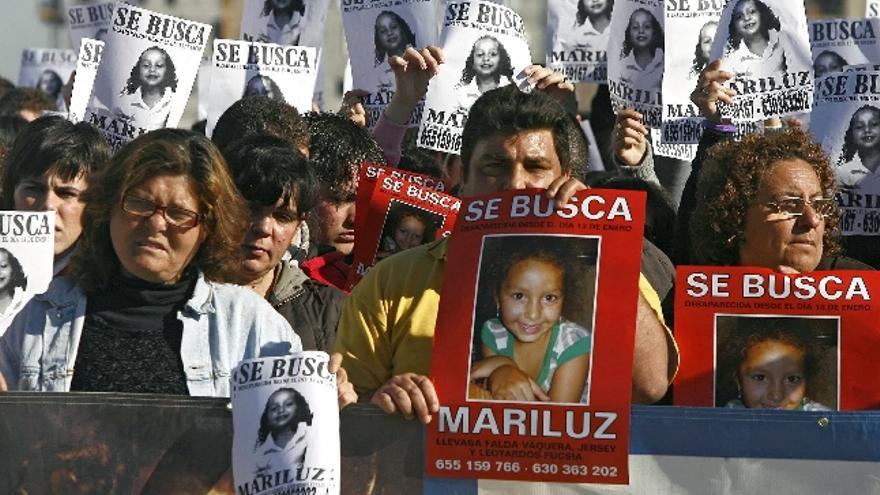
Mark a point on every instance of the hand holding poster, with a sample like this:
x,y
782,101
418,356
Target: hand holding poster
x,y
286,424
284,22
847,108
148,68
533,348
87,63
243,68
765,44
838,43
26,252
635,72
485,47
89,21
577,38
377,31
48,70
750,337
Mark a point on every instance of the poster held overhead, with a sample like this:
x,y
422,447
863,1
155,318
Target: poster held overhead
x,y
89,21
577,38
284,22
48,70
90,52
27,242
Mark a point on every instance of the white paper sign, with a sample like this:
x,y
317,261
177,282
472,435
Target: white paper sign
x,y
89,21
27,241
577,38
284,22
838,43
48,70
87,63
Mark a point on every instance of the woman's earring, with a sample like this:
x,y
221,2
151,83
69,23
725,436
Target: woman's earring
x,y
497,311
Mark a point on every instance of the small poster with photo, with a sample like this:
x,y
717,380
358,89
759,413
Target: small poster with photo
x,y
577,38
534,339
284,22
90,52
765,45
89,21
845,119
690,31
377,31
635,58
47,69
839,43
27,242
398,215
286,425
244,68
758,339
148,69
486,47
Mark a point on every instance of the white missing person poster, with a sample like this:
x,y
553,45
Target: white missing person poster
x,y
148,69
486,47
87,63
846,121
690,29
243,68
89,21
27,241
48,70
839,43
765,44
577,38
635,58
377,31
284,22
872,8
286,426
203,88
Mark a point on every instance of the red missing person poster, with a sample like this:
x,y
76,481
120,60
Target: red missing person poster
x,y
534,340
754,338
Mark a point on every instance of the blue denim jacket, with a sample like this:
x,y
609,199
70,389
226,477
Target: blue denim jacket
x,y
222,325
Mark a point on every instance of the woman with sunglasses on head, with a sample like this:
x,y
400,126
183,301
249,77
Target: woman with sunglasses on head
x,y
145,310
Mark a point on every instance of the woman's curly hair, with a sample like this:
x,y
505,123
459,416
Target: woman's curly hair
x,y
729,181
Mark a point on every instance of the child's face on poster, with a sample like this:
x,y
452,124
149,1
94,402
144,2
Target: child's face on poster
x,y
282,408
409,232
707,35
866,128
487,56
5,272
595,7
152,68
772,376
641,30
747,18
530,299
389,33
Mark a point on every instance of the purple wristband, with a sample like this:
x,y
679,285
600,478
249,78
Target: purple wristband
x,y
719,127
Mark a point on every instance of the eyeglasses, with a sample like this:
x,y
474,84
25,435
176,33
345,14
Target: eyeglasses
x,y
791,206
179,217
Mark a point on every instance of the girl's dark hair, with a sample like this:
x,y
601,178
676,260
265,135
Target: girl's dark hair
x,y
850,148
54,76
656,38
837,58
768,21
266,169
267,86
295,6
399,211
504,65
19,278
134,79
582,14
53,145
409,38
302,414
700,62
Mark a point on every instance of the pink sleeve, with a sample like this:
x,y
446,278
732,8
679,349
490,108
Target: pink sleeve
x,y
389,135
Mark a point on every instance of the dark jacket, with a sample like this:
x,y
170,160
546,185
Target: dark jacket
x,y
311,308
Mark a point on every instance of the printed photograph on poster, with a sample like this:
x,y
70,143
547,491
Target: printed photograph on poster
x,y
635,72
243,68
844,121
284,22
776,362
27,241
838,43
690,29
286,424
753,338
577,38
89,21
765,44
532,353
148,69
48,70
377,31
534,305
87,63
486,47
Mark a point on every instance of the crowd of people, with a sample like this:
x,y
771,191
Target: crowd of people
x,y
179,255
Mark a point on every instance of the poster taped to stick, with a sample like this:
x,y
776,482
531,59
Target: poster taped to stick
x,y
577,38
543,298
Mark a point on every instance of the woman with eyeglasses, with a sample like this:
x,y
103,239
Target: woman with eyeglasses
x,y
146,309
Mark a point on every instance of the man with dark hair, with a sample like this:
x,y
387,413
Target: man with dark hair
x,y
280,187
337,148
28,103
511,140
261,115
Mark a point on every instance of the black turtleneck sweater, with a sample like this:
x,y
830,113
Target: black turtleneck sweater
x,y
131,338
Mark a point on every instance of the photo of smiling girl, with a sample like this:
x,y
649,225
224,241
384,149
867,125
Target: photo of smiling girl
x,y
642,53
282,439
754,47
391,37
149,91
487,67
590,27
860,156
